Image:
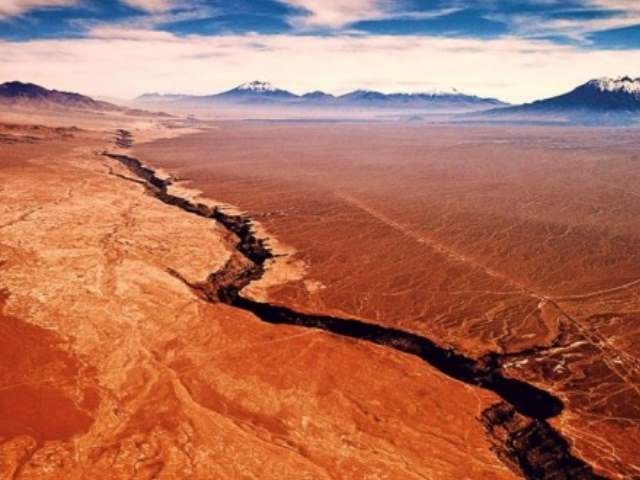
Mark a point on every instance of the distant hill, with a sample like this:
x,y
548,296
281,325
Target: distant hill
x,y
160,97
450,99
259,93
600,100
318,96
30,95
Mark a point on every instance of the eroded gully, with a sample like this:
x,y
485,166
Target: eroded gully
x,y
518,426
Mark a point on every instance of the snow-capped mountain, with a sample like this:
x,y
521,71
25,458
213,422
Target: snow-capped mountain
x,y
618,85
255,91
602,95
257,87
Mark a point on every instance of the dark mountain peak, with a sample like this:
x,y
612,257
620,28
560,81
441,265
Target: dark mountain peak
x,y
19,92
436,99
364,95
30,95
16,89
317,95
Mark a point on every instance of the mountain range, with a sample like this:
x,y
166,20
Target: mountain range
x,y
602,100
263,93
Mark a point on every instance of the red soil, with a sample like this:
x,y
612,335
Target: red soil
x,y
41,384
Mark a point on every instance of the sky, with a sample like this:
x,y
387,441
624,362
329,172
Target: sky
x,y
515,50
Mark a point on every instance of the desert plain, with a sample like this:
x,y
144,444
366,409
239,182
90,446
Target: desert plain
x,y
438,302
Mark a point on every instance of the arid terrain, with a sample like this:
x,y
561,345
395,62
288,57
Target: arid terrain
x,y
367,301
519,242
320,240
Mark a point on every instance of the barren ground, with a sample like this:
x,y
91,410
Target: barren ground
x,y
111,367
523,241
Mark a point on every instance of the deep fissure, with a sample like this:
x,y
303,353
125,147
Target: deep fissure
x,y
518,426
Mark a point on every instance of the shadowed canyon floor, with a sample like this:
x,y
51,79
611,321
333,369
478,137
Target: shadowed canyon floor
x,y
158,370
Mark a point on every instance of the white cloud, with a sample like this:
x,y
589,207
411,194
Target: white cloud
x,y
337,13
119,33
11,8
126,62
152,6
576,29
625,13
630,6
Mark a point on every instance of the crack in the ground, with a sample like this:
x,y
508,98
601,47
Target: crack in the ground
x,y
518,426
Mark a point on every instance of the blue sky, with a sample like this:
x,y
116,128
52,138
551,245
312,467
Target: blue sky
x,y
590,23
525,27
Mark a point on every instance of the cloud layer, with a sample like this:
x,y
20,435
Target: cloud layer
x,y
126,62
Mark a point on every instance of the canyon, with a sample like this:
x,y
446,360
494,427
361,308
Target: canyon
x,y
286,300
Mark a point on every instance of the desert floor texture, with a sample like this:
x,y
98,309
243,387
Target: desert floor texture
x,y
437,302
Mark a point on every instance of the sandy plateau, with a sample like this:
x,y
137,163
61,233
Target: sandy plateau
x,y
443,303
